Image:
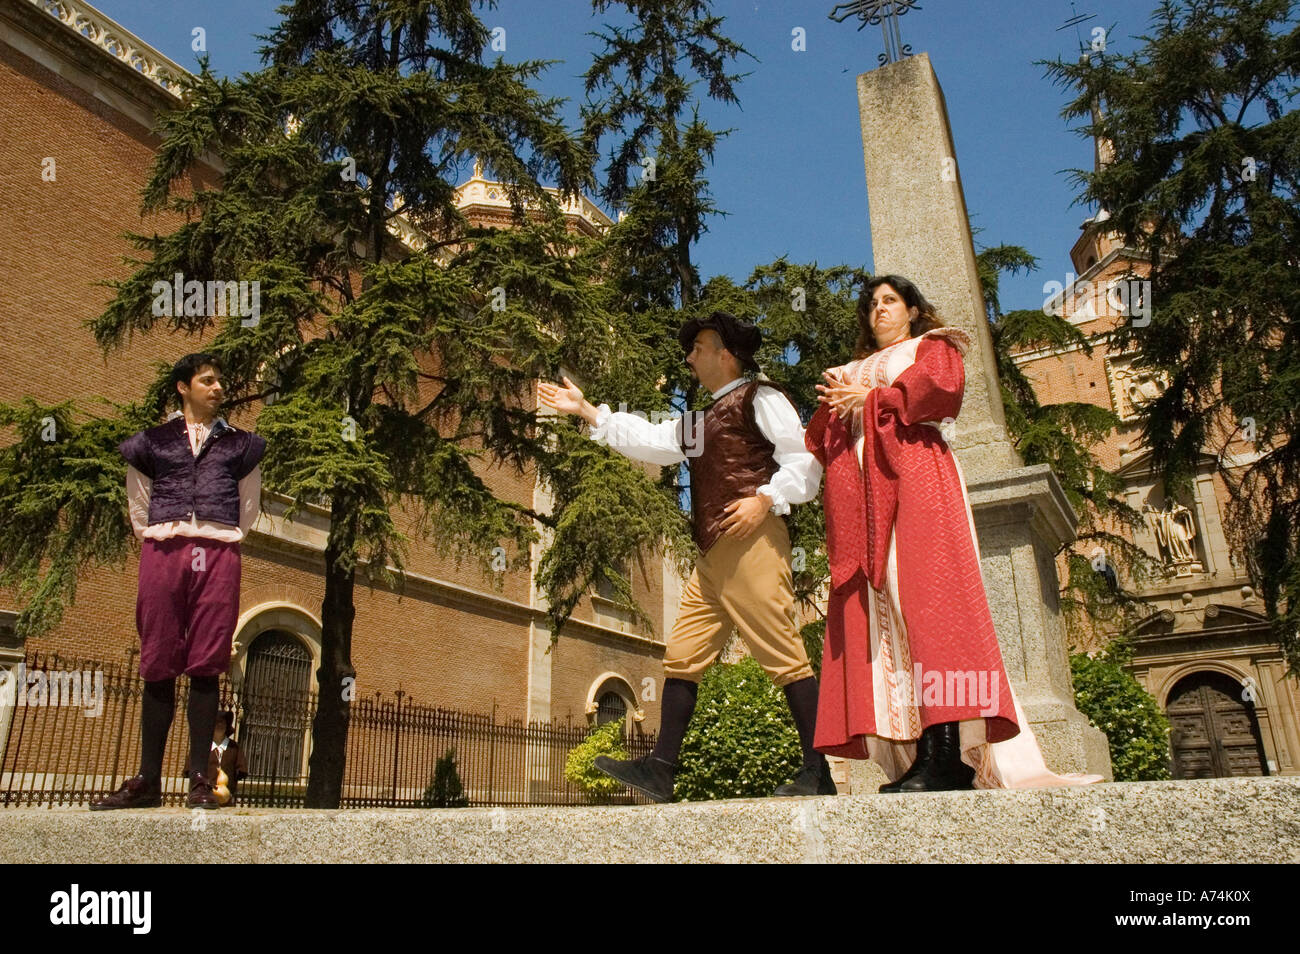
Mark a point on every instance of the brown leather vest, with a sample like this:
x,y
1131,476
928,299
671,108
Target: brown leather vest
x,y
734,459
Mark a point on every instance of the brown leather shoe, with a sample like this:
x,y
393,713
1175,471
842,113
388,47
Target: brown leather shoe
x,y
137,792
201,794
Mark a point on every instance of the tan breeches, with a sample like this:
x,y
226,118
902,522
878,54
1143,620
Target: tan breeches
x,y
746,584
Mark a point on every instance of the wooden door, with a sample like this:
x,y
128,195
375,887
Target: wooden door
x,y
1213,731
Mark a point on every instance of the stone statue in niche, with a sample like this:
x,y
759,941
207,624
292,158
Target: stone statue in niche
x,y
1175,531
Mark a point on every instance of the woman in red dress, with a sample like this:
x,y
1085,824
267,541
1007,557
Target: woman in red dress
x,y
912,674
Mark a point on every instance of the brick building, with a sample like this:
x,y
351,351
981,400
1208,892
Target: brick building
x,y
80,96
1203,649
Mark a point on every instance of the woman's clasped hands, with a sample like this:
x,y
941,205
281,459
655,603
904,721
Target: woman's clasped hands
x,y
843,396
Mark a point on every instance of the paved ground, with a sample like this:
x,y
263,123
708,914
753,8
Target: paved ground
x,y
1214,820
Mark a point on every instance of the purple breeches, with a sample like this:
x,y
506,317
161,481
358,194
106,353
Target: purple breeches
x,y
187,606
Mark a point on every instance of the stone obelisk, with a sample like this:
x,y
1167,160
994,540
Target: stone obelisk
x,y
920,230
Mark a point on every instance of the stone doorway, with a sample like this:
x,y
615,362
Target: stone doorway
x,y
1213,732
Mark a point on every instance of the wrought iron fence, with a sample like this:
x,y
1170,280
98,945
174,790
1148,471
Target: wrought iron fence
x,y
61,751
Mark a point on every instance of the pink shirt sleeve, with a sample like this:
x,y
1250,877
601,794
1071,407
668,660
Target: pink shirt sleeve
x,y
138,489
250,499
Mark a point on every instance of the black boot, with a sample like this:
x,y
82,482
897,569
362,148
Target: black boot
x,y
811,780
814,776
651,776
945,771
924,754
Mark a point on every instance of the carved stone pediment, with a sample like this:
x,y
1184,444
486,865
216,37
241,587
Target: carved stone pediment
x,y
1159,623
1217,615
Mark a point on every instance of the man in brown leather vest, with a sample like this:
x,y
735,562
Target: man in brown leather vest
x,y
748,465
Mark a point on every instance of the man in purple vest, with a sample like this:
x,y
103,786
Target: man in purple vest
x,y
193,490
748,465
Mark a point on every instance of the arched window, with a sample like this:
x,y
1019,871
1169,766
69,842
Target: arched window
x,y
276,702
610,707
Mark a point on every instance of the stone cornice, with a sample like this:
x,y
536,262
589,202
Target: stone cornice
x,y
1095,339
1255,637
116,41
1033,493
310,555
1093,272
486,195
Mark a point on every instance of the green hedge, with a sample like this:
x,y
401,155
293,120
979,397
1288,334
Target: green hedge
x,y
605,739
1117,704
742,741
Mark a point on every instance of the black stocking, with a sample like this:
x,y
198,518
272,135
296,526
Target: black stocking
x,y
679,703
802,696
203,719
157,707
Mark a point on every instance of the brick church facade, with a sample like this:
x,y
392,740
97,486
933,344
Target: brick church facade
x,y
80,96
1203,647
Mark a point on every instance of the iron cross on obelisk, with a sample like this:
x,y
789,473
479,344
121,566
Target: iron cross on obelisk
x,y
884,12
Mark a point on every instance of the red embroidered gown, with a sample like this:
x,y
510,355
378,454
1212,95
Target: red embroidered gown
x,y
909,637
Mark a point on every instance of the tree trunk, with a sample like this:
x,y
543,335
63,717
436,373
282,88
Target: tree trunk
x,y
336,679
682,262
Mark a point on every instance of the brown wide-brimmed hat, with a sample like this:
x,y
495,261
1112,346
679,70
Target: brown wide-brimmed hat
x,y
739,337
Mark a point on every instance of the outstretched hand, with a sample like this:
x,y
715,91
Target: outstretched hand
x,y
567,399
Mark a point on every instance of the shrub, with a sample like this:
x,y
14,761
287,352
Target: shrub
x,y
445,790
1117,704
605,739
742,741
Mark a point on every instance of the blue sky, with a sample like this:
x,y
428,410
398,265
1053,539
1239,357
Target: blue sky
x,y
790,174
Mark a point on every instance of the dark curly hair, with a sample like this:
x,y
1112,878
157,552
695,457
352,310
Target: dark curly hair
x,y
185,369
926,319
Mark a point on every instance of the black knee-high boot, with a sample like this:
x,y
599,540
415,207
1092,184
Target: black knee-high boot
x,y
814,777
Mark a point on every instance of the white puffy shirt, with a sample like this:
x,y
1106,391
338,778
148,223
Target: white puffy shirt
x,y
798,474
